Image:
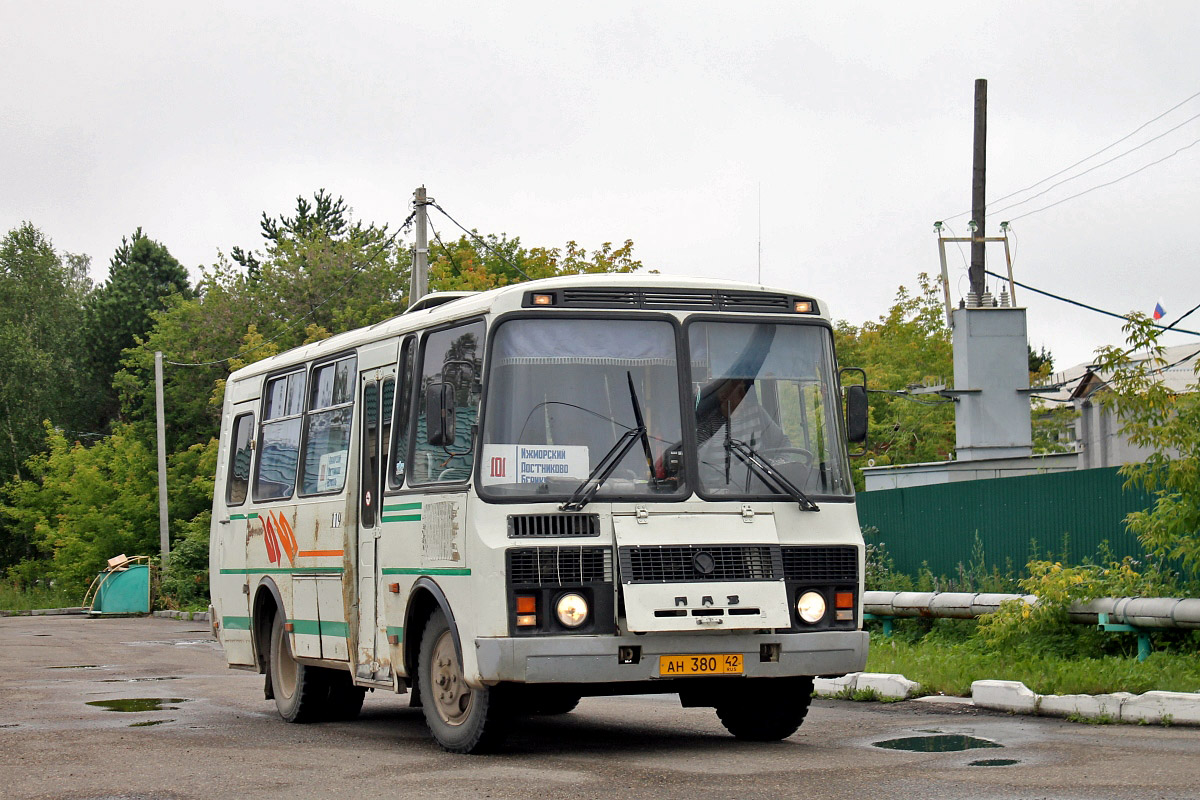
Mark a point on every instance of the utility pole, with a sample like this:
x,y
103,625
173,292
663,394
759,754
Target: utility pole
x,y
419,284
164,532
978,180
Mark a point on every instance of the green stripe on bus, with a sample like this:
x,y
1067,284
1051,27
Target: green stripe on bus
x,y
400,518
313,627
251,515
426,571
284,570
235,623
402,507
396,631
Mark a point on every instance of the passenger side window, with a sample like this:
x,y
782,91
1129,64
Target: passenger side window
x,y
279,446
451,366
327,427
397,464
239,460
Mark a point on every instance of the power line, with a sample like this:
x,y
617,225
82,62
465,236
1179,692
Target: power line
x,y
1085,305
1193,143
482,241
1096,167
1093,155
296,322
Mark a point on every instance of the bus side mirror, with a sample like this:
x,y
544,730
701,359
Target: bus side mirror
x,y
856,414
440,414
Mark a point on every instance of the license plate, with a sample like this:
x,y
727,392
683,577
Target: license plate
x,y
715,664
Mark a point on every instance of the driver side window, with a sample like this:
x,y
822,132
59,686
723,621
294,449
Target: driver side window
x,y
451,369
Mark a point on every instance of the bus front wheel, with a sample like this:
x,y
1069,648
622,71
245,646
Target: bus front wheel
x,y
461,718
766,710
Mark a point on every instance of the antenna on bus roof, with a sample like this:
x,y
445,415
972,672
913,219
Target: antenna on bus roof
x,y
760,232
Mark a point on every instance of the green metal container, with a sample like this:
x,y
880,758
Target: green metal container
x,y
125,591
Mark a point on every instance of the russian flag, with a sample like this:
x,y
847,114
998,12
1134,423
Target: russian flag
x,y
1158,310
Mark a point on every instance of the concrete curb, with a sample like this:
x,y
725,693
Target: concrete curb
x,y
44,612
885,686
1182,708
193,616
1168,708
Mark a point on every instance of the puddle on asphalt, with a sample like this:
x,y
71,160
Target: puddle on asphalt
x,y
939,743
139,704
78,666
995,762
135,680
149,722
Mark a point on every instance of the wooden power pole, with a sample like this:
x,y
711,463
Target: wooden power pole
x,y
978,181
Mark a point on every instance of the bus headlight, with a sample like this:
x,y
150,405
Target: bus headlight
x,y
811,607
572,610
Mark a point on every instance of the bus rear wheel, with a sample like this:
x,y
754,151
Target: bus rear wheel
x,y
766,710
300,691
461,718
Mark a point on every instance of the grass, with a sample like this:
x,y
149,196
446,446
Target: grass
x,y
950,667
12,599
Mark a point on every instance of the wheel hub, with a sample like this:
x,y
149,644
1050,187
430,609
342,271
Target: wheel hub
x,y
452,695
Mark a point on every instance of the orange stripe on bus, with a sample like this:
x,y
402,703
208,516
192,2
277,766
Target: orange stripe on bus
x,y
321,553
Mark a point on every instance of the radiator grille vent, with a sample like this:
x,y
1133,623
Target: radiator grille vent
x,y
559,566
699,563
821,564
535,526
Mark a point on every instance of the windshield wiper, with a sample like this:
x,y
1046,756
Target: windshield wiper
x,y
767,473
587,490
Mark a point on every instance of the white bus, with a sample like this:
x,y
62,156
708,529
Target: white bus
x,y
501,502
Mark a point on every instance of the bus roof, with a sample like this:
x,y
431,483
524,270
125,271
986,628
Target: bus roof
x,y
427,314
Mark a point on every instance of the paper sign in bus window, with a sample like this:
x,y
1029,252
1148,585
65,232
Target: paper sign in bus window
x,y
534,463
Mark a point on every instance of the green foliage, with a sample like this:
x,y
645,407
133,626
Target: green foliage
x,y
41,346
1168,423
15,596
908,347
1052,429
950,667
84,505
469,265
142,277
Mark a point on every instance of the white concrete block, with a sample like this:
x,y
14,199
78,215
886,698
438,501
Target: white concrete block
x,y
1154,707
828,687
887,685
1085,705
1005,696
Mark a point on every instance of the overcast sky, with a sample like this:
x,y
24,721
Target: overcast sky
x,y
652,121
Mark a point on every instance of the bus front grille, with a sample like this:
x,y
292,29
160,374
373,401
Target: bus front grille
x,y
538,526
559,566
821,564
700,563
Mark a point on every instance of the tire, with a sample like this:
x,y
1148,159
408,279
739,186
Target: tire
x,y
767,710
345,699
462,719
301,692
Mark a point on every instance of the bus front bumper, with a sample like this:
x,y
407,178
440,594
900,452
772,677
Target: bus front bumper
x,y
597,659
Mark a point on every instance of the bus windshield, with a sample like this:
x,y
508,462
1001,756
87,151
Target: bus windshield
x,y
562,395
562,392
767,389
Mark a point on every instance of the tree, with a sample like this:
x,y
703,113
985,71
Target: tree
x,y
142,277
1168,423
910,346
478,263
41,301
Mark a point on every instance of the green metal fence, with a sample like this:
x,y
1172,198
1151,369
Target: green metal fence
x,y
937,525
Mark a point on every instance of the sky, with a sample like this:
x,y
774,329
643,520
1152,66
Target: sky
x,y
827,137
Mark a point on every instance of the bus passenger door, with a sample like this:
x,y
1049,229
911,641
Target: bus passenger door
x,y
377,387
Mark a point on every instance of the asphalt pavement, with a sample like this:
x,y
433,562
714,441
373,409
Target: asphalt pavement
x,y
78,720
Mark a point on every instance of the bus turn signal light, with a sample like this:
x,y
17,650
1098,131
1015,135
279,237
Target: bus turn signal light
x,y
844,600
526,604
